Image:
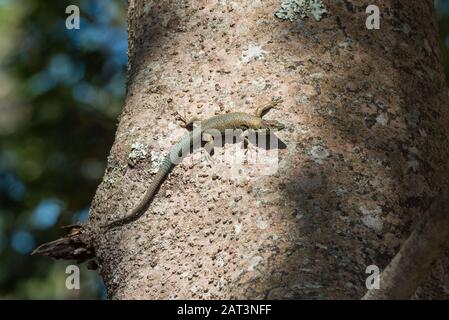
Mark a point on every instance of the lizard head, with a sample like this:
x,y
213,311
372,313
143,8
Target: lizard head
x,y
272,125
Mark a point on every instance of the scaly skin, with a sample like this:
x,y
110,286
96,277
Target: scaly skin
x,y
207,128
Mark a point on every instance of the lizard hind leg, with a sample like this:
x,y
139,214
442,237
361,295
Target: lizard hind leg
x,y
208,139
244,137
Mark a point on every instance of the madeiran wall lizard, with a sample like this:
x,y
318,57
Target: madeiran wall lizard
x,y
204,132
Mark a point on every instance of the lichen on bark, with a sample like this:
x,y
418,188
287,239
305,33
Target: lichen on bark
x,y
300,9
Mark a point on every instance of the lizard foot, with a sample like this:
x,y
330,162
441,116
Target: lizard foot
x,y
187,123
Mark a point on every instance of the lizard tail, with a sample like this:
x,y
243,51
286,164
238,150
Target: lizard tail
x,y
135,213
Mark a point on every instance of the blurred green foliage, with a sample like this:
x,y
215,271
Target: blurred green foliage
x,y
60,91
60,94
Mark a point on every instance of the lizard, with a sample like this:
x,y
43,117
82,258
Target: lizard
x,y
219,123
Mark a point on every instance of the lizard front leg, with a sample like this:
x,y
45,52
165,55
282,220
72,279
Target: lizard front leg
x,y
249,138
187,123
263,109
212,137
208,146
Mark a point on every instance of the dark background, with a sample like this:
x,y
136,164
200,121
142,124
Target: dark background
x,y
60,94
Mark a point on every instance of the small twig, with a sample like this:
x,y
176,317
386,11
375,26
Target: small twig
x,y
72,246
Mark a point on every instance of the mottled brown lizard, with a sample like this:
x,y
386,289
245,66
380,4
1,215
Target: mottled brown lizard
x,y
203,133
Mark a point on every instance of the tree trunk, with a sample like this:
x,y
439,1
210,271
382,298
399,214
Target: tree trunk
x,y
414,260
366,150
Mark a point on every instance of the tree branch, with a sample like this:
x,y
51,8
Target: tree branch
x,y
73,246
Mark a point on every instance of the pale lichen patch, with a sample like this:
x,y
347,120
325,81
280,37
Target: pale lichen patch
x,y
300,9
254,52
382,119
254,262
238,228
261,224
137,153
373,222
371,218
259,85
319,152
156,160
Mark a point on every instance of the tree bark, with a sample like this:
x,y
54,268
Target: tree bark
x,y
366,150
414,260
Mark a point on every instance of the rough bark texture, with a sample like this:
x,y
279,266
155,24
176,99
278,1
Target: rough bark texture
x,y
414,261
367,149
